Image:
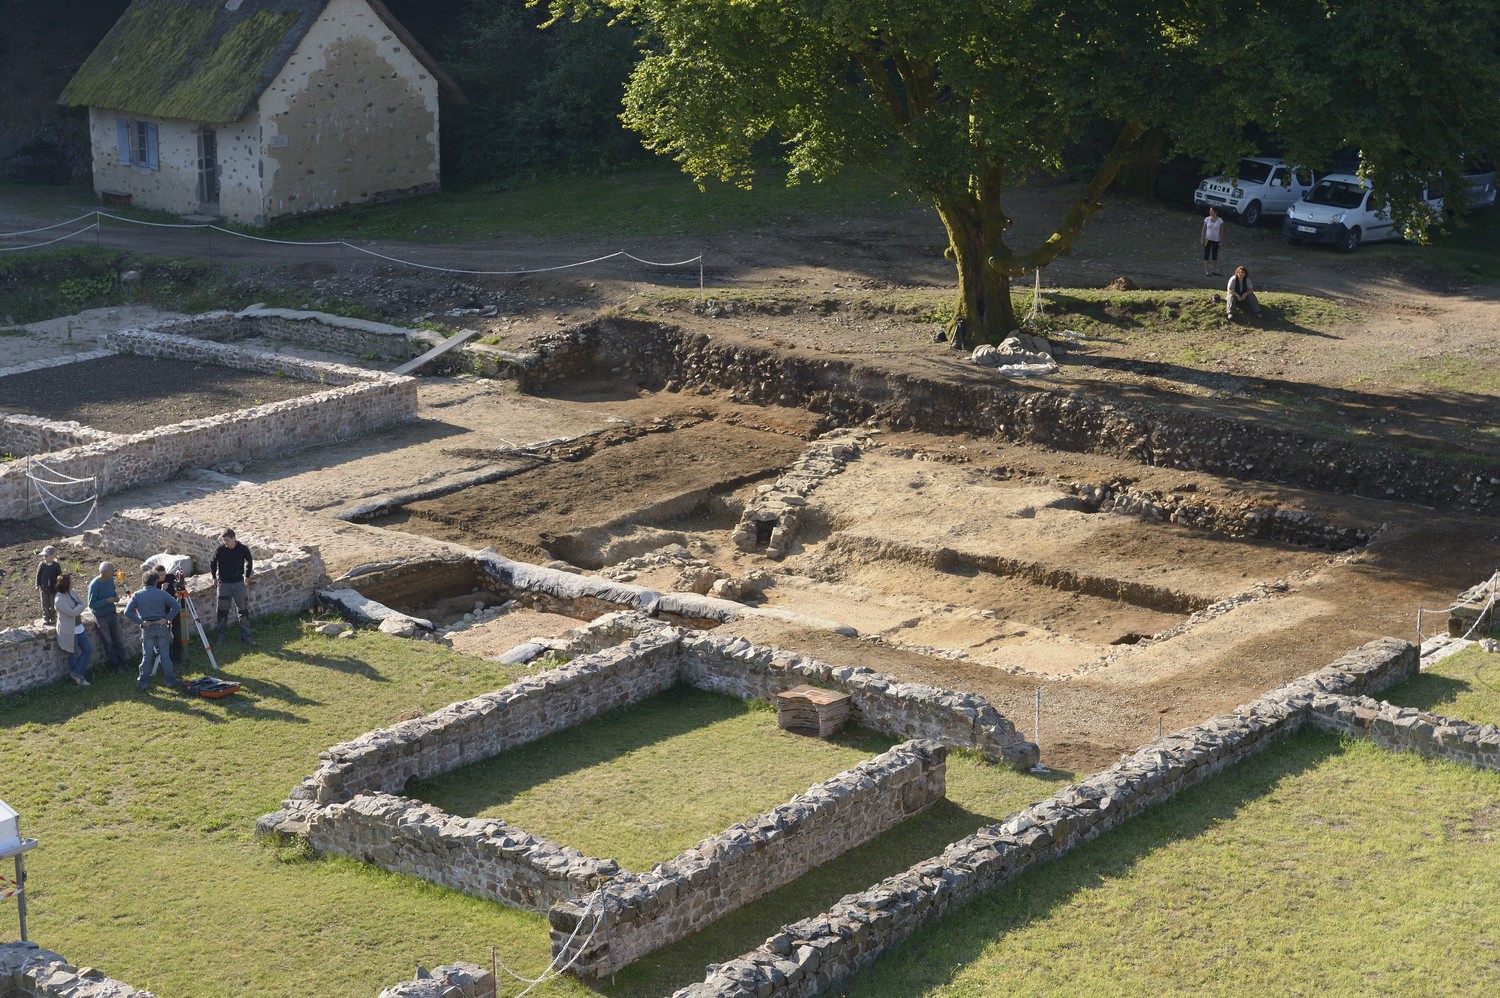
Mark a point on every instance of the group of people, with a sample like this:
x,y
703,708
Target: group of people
x,y
154,608
1239,293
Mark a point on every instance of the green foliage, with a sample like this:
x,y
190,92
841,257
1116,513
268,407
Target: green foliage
x,y
85,292
12,331
540,101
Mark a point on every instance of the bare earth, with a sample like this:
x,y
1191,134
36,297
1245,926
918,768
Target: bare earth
x,y
637,471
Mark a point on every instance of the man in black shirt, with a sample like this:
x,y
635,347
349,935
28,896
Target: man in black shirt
x,y
231,567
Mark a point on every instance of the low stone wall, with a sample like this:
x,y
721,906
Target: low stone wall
x,y
646,911
25,436
1407,729
358,402
384,761
458,980
770,520
482,857
814,955
27,971
1473,614
286,579
903,710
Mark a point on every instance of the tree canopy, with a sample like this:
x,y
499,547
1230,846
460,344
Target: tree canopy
x,y
964,101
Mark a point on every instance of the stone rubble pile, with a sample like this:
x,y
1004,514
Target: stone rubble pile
x,y
770,520
27,971
457,980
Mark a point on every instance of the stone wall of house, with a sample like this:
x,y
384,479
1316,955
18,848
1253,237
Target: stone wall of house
x,y
359,402
27,971
903,710
1407,729
638,913
814,955
482,857
285,580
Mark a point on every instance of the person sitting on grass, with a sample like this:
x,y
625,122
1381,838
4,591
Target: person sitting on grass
x,y
1241,292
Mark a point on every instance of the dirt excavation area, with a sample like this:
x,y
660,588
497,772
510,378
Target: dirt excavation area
x,y
954,559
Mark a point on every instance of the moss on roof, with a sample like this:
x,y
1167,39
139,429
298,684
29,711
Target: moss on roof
x,y
191,59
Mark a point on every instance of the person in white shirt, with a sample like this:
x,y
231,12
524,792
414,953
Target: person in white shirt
x,y
1213,231
1241,292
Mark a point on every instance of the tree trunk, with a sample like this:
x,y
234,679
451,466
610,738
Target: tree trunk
x,y
976,229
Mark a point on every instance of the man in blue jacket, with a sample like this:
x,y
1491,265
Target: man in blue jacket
x,y
103,599
154,611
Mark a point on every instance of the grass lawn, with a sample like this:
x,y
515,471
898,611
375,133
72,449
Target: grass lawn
x,y
1319,867
1465,687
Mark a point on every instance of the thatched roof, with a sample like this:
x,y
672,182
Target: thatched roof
x,y
199,60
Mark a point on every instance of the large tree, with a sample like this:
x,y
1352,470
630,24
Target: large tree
x,y
965,99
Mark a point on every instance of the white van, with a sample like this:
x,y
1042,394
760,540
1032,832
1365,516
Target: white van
x,y
1339,210
1262,187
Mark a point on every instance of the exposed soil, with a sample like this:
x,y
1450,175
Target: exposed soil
x,y
127,394
908,540
21,543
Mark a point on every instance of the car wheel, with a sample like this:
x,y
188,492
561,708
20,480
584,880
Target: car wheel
x,y
1351,241
1251,214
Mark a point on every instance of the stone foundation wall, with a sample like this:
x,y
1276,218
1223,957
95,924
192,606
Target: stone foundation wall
x,y
1473,613
384,761
646,911
1407,729
358,403
482,857
24,436
27,971
903,710
814,955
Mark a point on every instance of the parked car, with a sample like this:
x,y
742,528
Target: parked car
x,y
1479,183
1340,210
1263,186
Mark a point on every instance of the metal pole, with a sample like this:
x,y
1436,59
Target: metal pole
x,y
1037,730
21,897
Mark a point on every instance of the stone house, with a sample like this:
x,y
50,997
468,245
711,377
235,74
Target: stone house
x,y
255,109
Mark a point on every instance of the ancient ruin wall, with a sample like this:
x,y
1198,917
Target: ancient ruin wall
x,y
902,710
812,956
362,402
646,911
482,857
384,761
1407,729
454,980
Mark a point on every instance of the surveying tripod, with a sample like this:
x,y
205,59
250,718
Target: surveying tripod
x,y
180,590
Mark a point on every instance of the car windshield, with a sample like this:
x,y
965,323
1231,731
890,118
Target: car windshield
x,y
1337,194
1252,172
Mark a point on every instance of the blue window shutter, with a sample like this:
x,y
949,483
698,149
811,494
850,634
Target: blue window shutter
x,y
122,135
151,158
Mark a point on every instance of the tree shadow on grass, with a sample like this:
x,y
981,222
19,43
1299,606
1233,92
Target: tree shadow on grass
x,y
927,960
339,663
1426,691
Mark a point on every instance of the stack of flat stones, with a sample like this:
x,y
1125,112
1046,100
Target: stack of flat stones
x,y
807,710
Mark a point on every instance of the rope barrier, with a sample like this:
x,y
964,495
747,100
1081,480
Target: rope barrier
x,y
16,249
54,225
42,490
342,244
64,479
553,971
1489,604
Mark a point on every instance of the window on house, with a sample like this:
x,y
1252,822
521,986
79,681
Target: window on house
x,y
138,144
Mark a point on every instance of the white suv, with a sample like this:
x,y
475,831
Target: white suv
x,y
1339,210
1263,187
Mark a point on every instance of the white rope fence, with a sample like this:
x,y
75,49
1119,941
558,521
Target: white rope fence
x,y
1489,604
553,971
44,488
342,244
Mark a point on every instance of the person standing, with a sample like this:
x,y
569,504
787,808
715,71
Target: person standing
x,y
1213,233
231,567
103,601
1241,292
175,587
71,636
154,611
47,574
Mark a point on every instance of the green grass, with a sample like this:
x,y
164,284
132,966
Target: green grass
x,y
1474,372
1467,250
1316,868
655,200
144,808
1465,686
